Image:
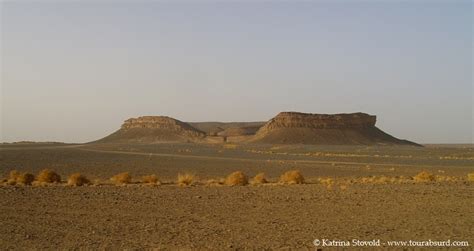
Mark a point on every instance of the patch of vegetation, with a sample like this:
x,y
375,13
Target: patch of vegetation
x,y
292,177
424,177
236,179
48,176
259,179
78,179
186,179
122,178
16,177
151,179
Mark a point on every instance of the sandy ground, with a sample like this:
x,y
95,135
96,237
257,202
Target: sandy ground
x,y
265,217
250,217
211,161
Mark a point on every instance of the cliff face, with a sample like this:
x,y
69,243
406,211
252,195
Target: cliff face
x,y
163,123
323,129
319,121
150,129
285,128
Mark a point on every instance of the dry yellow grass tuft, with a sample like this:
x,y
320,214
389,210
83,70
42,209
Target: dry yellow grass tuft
x,y
16,177
78,179
25,179
236,179
13,174
470,177
12,177
122,178
259,179
48,176
186,179
292,177
150,179
424,177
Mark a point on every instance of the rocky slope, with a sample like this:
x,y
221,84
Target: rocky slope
x,y
239,131
216,128
306,128
319,121
150,129
285,128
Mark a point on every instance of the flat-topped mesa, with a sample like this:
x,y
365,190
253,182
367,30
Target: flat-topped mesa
x,y
320,121
285,128
162,122
324,129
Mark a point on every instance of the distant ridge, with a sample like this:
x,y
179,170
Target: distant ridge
x,y
285,128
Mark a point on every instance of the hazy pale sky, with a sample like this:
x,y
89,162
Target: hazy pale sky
x,y
74,71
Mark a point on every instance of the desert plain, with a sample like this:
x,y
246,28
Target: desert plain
x,y
350,192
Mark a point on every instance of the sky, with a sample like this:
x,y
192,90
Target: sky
x,y
74,71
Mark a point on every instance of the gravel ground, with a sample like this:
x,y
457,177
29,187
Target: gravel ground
x,y
217,218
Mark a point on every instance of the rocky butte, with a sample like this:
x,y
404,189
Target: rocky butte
x,y
324,129
320,121
151,129
285,128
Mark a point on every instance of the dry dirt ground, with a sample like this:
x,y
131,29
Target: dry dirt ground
x,y
250,217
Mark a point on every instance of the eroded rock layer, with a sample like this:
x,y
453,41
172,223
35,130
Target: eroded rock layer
x,y
318,129
164,123
285,128
149,129
320,121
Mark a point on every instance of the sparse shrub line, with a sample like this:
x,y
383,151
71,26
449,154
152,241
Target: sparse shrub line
x,y
16,177
237,178
48,177
122,178
78,179
151,180
186,179
292,177
259,179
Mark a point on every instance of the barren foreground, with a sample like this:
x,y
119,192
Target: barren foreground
x,y
270,216
274,217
